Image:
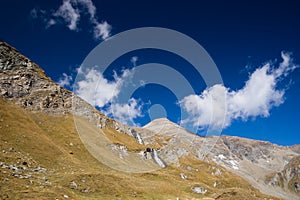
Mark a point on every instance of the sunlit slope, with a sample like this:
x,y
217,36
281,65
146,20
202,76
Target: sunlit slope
x,y
42,157
114,149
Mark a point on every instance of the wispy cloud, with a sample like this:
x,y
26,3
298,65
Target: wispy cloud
x,y
50,23
259,95
70,13
133,60
34,13
40,14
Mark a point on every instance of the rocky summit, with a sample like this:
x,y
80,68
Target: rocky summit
x,y
54,145
23,82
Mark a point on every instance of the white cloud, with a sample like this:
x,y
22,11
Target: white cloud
x,y
97,96
102,30
65,80
90,7
97,90
126,112
100,92
69,13
259,95
201,107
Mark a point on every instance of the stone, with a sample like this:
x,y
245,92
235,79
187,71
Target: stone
x,y
86,190
199,190
39,169
73,185
183,176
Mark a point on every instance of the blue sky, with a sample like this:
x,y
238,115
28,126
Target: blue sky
x,y
239,36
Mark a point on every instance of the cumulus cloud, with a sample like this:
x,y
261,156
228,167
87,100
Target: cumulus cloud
x,y
65,80
126,112
99,92
70,13
200,108
259,95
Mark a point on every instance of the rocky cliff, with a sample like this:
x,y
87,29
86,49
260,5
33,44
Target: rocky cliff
x,y
23,82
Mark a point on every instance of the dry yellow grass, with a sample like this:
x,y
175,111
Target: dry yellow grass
x,y
123,139
51,142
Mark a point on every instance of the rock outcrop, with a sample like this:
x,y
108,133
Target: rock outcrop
x,y
289,178
25,83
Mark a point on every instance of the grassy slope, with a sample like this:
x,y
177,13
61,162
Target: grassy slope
x,y
51,142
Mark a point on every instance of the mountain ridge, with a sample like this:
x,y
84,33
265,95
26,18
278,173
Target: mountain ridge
x,y
255,160
45,111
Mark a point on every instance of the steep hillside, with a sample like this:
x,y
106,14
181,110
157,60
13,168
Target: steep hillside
x,y
289,178
255,161
271,168
42,157
51,143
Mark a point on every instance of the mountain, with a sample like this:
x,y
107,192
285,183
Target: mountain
x,y
26,84
273,169
54,145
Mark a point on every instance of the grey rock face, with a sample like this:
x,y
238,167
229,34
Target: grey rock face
x,y
288,178
24,82
253,160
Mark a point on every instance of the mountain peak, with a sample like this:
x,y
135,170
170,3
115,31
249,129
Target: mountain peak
x,y
25,83
160,121
11,59
163,125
